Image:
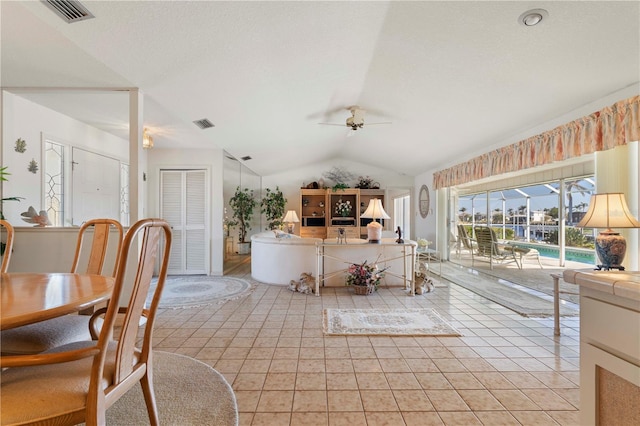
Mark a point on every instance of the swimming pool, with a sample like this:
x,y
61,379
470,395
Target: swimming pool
x,y
573,254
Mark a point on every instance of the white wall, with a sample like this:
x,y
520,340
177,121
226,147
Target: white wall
x,y
29,121
426,228
211,159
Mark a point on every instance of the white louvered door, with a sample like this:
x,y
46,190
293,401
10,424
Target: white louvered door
x,y
183,204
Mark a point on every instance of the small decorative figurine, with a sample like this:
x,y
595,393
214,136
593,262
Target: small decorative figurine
x,y
399,232
38,219
342,236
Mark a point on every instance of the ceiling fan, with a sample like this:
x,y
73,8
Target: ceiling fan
x,y
356,121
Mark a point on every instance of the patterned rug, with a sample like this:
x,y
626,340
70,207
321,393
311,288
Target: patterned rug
x,y
190,291
386,322
188,392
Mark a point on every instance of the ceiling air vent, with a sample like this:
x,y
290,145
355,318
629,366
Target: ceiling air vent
x,y
204,123
69,10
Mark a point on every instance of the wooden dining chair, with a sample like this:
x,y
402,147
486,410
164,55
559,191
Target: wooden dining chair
x,y
77,382
8,244
41,336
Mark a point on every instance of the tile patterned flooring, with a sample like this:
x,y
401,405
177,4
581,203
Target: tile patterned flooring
x,y
505,370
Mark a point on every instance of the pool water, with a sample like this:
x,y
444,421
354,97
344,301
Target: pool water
x,y
570,253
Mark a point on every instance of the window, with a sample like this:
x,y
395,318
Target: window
x,y
54,182
401,214
531,214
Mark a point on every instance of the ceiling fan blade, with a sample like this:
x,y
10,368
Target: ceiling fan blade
x,y
382,122
333,124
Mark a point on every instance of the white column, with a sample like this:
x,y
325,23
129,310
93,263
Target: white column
x,y
137,157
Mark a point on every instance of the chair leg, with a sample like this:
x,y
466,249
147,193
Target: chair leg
x,y
149,396
538,259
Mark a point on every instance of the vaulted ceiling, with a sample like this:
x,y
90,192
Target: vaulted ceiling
x,y
453,78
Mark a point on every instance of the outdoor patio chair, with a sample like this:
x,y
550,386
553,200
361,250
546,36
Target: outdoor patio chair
x,y
491,248
465,241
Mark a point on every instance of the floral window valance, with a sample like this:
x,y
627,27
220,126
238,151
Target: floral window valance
x,y
612,126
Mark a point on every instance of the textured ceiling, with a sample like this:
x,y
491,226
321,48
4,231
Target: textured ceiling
x,y
454,78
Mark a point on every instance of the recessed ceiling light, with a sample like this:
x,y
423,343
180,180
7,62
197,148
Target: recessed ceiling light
x,y
532,17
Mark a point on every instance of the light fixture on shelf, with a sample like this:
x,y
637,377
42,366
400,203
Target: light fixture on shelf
x,y
374,211
290,219
147,139
609,211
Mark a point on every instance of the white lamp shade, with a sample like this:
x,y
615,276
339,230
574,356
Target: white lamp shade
x,y
291,217
608,211
375,210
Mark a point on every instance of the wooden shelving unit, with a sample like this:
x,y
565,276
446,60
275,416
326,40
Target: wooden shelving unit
x,y
320,219
313,204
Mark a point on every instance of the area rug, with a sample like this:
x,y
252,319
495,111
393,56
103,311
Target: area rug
x,y
386,322
512,296
189,291
188,392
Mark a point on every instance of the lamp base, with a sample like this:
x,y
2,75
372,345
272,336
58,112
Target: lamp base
x,y
611,248
374,232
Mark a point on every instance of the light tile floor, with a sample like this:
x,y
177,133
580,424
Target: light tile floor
x,y
505,370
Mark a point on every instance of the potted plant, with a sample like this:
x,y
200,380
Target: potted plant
x,y
243,204
272,205
3,173
365,278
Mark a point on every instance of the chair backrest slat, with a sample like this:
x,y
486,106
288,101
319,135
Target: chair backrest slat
x,y
99,245
486,239
8,247
150,232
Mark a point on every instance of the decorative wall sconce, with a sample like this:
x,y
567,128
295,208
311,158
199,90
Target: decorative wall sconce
x,y
147,139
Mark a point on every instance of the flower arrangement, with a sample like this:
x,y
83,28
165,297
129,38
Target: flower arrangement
x,y
423,242
343,208
364,275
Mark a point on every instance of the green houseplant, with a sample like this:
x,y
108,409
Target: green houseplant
x,y
242,203
272,205
3,174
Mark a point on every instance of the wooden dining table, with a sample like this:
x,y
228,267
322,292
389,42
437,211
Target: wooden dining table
x,y
26,298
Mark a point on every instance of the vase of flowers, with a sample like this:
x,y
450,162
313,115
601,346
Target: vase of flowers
x,y
343,208
364,277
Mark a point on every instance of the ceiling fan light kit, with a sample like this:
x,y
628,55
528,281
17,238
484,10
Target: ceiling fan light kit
x,y
356,121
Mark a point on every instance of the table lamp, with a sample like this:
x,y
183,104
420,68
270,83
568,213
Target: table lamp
x,y
290,219
374,211
609,211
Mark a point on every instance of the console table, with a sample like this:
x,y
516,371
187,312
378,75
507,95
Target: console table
x,y
333,259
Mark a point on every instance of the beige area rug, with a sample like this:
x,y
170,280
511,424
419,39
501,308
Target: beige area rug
x,y
191,291
188,392
386,322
